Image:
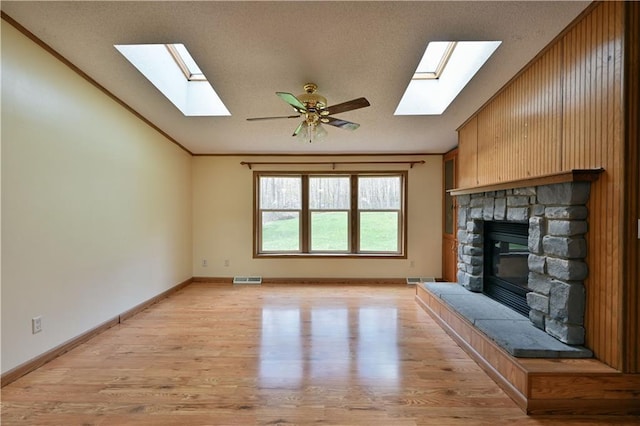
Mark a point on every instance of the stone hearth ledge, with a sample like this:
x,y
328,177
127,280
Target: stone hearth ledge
x,y
508,329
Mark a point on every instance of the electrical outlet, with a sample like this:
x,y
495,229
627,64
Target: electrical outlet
x,y
226,262
36,324
204,263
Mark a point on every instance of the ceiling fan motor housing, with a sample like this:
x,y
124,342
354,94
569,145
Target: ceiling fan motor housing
x,y
311,99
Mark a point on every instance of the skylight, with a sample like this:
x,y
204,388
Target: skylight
x,y
434,59
172,70
444,70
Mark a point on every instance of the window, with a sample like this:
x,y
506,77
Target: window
x,y
329,201
339,214
379,213
280,211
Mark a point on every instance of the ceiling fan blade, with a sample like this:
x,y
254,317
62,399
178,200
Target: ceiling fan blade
x,y
298,129
272,118
348,106
292,100
343,124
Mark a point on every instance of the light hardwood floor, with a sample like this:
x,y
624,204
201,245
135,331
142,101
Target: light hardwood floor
x,y
271,355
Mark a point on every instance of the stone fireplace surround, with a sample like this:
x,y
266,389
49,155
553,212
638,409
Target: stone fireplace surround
x,y
557,218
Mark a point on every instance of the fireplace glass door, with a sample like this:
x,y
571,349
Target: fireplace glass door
x,y
506,267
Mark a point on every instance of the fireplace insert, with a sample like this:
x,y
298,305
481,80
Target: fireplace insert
x,y
506,268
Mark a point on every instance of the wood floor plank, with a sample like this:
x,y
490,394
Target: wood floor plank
x,y
270,355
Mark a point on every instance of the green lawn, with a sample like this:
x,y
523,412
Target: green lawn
x,y
379,231
280,235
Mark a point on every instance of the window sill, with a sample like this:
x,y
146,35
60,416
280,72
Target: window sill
x,y
398,256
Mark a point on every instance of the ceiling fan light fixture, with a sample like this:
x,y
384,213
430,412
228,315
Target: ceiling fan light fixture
x,y
311,132
305,134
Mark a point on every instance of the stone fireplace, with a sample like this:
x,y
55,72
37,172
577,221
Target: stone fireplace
x,y
556,216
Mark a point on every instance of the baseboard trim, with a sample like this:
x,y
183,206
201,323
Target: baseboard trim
x,y
310,281
37,362
213,280
144,305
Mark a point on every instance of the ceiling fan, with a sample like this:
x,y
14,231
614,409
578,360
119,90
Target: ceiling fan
x,y
312,108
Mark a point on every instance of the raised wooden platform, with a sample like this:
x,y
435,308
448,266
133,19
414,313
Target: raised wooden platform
x,y
540,385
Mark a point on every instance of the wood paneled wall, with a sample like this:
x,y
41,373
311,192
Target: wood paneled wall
x,y
566,110
631,289
519,132
593,137
467,175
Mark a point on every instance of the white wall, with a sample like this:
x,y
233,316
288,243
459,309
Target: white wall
x,y
96,205
100,212
223,223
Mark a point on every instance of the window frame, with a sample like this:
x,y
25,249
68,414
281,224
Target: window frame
x,y
310,212
353,216
259,211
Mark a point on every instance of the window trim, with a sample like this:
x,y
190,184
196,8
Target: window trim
x,y
258,212
354,214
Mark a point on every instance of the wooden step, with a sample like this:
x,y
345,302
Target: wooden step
x,y
540,385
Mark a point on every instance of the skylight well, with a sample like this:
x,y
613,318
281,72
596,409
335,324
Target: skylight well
x,y
434,60
172,70
444,70
186,63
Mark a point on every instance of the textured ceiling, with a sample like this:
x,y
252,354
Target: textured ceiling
x,y
250,50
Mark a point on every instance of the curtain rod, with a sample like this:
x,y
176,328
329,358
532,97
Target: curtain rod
x,y
333,163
